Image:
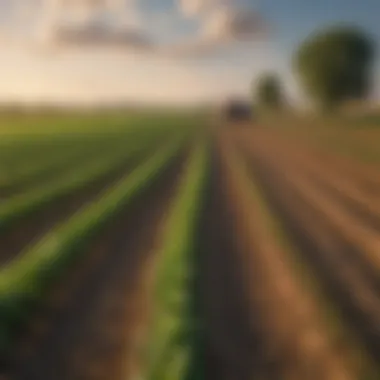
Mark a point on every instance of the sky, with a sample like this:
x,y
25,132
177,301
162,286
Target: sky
x,y
159,51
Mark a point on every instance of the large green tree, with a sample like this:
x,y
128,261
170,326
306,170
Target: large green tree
x,y
268,91
334,65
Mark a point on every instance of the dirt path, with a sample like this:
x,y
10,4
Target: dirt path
x,y
23,233
258,322
92,327
295,340
364,176
232,349
332,180
349,212
329,254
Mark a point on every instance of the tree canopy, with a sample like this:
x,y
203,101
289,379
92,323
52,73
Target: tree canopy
x,y
269,91
334,65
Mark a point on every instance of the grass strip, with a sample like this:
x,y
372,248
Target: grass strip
x,y
175,330
28,161
50,164
24,281
25,204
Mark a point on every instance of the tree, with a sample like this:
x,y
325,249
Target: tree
x,y
269,92
335,65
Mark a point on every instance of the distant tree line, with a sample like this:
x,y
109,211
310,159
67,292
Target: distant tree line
x,y
332,66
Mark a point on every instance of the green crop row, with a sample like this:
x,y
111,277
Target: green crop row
x,y
25,204
25,280
50,161
175,328
41,159
20,154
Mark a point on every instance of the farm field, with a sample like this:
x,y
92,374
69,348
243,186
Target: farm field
x,y
157,248
352,137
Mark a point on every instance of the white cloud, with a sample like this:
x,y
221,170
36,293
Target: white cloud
x,y
227,23
120,24
99,35
96,77
61,23
193,8
223,21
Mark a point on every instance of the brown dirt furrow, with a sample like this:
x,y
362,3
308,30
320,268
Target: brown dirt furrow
x,y
343,189
231,347
295,342
363,240
346,210
330,256
334,185
363,176
92,325
27,231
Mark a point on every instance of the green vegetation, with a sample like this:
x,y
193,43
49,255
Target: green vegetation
x,y
39,126
269,93
25,280
334,65
23,164
176,329
127,159
19,206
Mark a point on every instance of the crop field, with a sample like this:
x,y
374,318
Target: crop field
x,y
155,247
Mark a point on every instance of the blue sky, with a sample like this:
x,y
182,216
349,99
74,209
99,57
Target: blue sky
x,y
294,20
212,67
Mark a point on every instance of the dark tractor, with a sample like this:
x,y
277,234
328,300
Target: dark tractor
x,y
238,112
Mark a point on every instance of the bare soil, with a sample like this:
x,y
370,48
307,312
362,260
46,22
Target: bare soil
x,y
350,213
231,348
295,341
330,255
